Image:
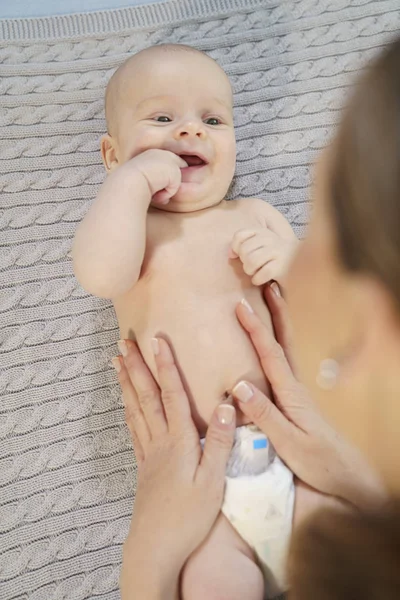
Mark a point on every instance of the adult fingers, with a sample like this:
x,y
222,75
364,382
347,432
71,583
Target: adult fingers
x,y
137,448
218,445
133,413
271,354
146,388
280,319
173,394
128,410
282,433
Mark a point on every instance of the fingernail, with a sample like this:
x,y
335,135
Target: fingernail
x,y
155,345
275,289
116,364
246,305
123,348
226,414
242,391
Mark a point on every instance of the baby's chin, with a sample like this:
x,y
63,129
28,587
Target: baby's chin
x,y
187,200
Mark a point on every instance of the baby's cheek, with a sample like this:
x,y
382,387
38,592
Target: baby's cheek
x,y
138,142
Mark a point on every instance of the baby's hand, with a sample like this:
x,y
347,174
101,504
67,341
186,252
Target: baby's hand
x,y
264,254
162,171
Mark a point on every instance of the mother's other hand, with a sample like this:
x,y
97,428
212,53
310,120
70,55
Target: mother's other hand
x,y
310,447
179,487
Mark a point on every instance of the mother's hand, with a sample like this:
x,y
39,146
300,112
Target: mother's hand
x,y
309,446
179,487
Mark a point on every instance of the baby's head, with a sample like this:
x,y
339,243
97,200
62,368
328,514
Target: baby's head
x,y
174,98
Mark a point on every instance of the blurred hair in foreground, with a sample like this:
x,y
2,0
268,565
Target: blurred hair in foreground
x,y
365,174
347,556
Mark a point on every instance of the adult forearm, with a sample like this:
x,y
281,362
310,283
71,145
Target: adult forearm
x,y
364,489
143,575
110,242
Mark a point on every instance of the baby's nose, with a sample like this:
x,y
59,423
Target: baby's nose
x,y
191,129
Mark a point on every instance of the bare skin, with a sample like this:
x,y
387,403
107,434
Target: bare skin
x,y
360,330
187,285
176,258
161,241
335,313
170,461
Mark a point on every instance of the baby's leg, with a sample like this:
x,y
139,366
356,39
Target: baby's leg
x,y
223,568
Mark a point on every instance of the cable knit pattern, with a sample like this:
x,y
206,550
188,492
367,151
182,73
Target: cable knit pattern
x,y
67,476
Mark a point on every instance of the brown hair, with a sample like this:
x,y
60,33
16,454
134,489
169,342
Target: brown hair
x,y
347,556
365,174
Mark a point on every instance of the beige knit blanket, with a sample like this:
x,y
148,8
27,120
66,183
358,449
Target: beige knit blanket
x,y
67,474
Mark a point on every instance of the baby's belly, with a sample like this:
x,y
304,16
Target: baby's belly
x,y
212,350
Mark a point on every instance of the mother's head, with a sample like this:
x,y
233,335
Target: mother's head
x,y
344,285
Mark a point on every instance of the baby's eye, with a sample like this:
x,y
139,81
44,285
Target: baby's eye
x,y
163,119
213,121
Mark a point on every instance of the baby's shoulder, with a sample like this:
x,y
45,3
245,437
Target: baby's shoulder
x,y
251,203
266,214
256,206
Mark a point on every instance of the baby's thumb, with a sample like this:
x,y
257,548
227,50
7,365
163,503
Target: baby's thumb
x,y
265,414
218,443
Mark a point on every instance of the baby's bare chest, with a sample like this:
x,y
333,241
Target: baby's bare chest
x,y
195,253
188,276
187,293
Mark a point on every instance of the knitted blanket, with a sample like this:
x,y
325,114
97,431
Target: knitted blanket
x,y
67,474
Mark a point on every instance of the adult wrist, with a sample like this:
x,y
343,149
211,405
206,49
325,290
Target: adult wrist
x,y
365,490
149,570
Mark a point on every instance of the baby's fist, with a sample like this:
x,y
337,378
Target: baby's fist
x,y
264,254
162,171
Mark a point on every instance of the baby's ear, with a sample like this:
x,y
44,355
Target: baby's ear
x,y
108,153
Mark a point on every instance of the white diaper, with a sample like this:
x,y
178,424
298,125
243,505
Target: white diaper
x,y
259,499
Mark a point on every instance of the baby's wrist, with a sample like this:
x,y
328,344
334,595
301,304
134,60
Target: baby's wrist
x,y
135,182
146,184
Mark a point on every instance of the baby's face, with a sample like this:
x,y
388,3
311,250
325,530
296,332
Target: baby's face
x,y
183,104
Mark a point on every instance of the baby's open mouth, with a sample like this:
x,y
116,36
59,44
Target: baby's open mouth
x,y
193,160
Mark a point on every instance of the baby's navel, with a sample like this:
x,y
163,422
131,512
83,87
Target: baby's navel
x,y
227,398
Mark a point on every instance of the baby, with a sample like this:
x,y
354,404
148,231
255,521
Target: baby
x,y
175,257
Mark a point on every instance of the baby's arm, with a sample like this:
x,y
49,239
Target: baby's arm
x,y
266,250
110,242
